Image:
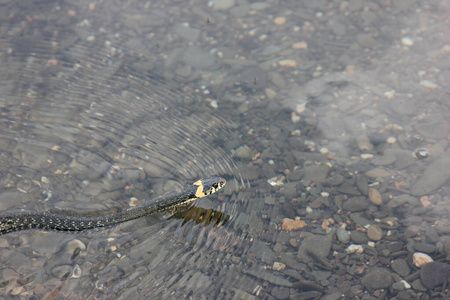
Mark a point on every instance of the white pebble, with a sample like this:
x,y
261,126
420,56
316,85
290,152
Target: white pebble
x,y
214,104
295,118
76,272
428,84
296,132
391,140
366,156
407,41
405,284
324,150
354,249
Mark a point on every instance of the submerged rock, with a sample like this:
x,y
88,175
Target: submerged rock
x,y
377,278
435,176
434,274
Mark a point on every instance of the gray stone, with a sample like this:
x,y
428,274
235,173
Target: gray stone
x,y
399,286
387,159
400,266
222,4
343,235
356,204
361,183
424,247
402,199
187,32
434,274
318,244
358,237
289,190
374,232
333,296
268,276
198,58
280,292
359,219
435,176
243,152
377,278
263,252
315,173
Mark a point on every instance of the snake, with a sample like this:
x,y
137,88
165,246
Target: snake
x,y
61,221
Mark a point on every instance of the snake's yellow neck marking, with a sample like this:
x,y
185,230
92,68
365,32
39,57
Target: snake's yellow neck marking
x,y
199,193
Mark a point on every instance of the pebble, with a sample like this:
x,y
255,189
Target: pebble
x,y
424,247
133,202
435,175
243,152
374,232
324,151
353,248
288,63
280,292
314,173
428,84
435,274
279,21
366,156
343,235
364,143
276,181
402,199
375,196
221,4
421,153
292,225
377,278
401,285
401,267
278,266
295,118
421,259
356,204
358,237
407,41
386,159
76,272
300,45
391,140
318,244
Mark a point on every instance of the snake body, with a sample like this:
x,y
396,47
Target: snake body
x,y
64,222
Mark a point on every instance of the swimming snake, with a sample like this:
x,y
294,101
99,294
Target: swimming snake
x,y
77,222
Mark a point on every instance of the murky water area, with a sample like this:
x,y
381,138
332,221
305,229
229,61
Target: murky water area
x,y
329,120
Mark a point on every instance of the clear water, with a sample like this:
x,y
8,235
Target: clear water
x,y
327,118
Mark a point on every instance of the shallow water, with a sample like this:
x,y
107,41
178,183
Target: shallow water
x,y
329,120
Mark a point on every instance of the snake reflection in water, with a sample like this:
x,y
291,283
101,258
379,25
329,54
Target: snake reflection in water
x,y
73,222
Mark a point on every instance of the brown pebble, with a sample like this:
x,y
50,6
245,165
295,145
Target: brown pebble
x,y
375,196
291,225
288,63
425,201
278,266
374,232
300,45
52,62
71,13
421,259
279,21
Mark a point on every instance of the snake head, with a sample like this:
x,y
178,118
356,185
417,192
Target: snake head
x,y
208,186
